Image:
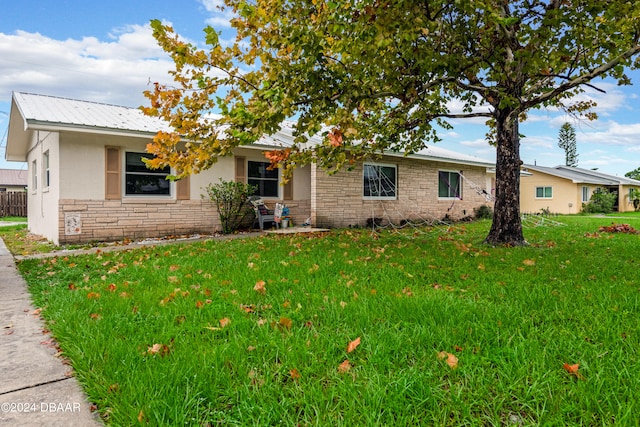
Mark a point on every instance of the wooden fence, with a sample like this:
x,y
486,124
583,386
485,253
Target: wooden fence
x,y
13,203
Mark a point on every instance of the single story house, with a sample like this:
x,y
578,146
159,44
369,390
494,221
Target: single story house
x,y
12,180
563,189
87,181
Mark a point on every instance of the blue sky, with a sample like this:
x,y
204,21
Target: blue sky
x,y
104,51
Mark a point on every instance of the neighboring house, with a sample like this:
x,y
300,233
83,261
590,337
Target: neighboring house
x,y
12,180
87,181
563,189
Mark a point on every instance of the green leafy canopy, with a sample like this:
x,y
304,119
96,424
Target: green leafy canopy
x,y
375,75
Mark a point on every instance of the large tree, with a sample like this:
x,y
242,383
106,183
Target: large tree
x,y
380,75
567,141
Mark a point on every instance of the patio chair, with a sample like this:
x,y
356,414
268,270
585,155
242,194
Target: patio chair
x,y
263,214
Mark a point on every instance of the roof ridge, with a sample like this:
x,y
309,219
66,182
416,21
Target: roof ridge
x,y
75,100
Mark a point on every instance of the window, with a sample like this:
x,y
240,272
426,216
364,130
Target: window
x,y
140,181
585,194
449,185
34,176
544,192
45,166
379,181
264,179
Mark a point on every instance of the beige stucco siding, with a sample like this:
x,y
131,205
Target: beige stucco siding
x,y
566,195
42,199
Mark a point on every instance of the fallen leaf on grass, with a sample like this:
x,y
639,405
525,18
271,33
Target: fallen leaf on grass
x,y
573,370
260,287
452,360
225,322
295,375
529,262
285,323
353,345
37,311
160,349
344,367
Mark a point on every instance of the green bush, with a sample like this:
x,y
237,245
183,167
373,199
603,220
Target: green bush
x,y
601,202
483,212
230,199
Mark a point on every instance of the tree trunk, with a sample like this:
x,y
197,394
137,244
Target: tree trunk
x,y
506,228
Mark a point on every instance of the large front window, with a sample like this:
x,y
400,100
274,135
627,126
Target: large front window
x,y
379,181
265,180
449,185
141,181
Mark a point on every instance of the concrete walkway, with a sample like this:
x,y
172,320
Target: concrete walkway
x,y
36,388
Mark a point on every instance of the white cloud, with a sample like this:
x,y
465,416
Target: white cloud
x,y
115,71
221,15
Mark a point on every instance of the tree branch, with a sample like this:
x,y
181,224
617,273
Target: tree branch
x,y
580,80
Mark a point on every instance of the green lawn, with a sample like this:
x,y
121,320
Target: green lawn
x,y
256,331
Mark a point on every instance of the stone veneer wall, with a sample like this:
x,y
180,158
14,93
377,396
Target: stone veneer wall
x,y
338,199
111,220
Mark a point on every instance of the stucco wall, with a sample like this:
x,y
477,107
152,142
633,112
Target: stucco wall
x,y
566,196
42,202
338,199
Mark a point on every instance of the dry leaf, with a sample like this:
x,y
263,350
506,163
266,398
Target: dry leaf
x,y
112,287
452,360
353,344
344,366
225,322
295,375
529,262
259,287
285,322
37,311
199,304
573,370
140,416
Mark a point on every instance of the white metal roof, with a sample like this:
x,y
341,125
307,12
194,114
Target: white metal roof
x,y
583,176
43,112
51,110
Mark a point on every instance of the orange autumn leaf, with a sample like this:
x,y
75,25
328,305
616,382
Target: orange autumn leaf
x,y
344,366
225,322
451,359
93,295
573,370
335,137
353,345
112,287
260,287
199,304
285,323
295,375
529,262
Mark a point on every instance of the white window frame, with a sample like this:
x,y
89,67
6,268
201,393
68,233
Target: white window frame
x,y
459,196
46,178
544,192
395,184
34,175
151,172
585,192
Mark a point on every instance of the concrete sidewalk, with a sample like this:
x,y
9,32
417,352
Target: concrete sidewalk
x,y
36,388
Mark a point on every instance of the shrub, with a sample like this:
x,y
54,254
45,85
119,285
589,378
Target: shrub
x,y
483,212
230,199
601,202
